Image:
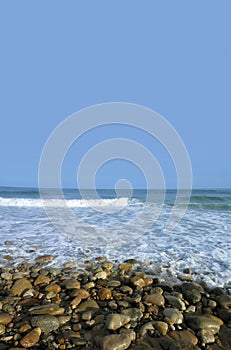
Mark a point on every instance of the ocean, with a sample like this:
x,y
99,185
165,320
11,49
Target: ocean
x,y
118,228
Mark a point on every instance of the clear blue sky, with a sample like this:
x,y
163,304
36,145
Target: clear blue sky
x,y
58,57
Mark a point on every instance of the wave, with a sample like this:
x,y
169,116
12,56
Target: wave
x,y
56,203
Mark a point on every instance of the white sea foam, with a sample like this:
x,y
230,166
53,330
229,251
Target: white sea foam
x,y
71,203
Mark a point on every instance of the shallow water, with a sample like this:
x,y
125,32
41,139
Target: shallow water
x,y
120,229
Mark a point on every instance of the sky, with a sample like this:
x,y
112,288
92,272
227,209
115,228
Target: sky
x,y
58,57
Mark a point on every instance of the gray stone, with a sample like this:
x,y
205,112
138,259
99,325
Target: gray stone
x,y
47,323
174,315
175,302
191,293
134,313
118,341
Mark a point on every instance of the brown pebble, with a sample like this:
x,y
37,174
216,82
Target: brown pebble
x,y
42,279
20,286
105,294
31,338
24,328
155,299
5,318
53,287
43,258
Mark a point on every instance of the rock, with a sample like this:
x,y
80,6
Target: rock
x,y
225,315
42,279
161,327
225,337
101,275
215,318
175,302
145,328
63,319
224,301
197,322
174,315
105,294
115,321
206,336
47,323
138,281
2,329
118,341
31,338
176,344
88,304
6,276
134,313
155,299
87,315
114,283
80,293
20,286
41,259
5,318
191,293
72,284
125,267
186,335
185,278
53,287
50,309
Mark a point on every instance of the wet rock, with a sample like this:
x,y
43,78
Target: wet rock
x,y
88,304
20,286
161,327
197,322
224,301
134,313
47,323
43,258
105,294
144,329
115,321
80,293
186,335
225,315
114,283
175,302
191,293
6,276
206,336
72,284
138,281
173,315
2,329
31,338
155,299
125,267
50,309
53,287
118,341
5,318
42,279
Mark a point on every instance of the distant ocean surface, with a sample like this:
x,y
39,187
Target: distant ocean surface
x,y
201,241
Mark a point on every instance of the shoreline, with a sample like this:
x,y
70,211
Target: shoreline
x,y
108,306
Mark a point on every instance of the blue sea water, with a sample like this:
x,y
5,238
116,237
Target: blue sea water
x,y
117,229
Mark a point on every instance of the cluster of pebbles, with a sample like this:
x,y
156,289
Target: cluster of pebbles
x,y
108,306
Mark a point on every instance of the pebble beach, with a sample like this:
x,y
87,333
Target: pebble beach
x,y
108,306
